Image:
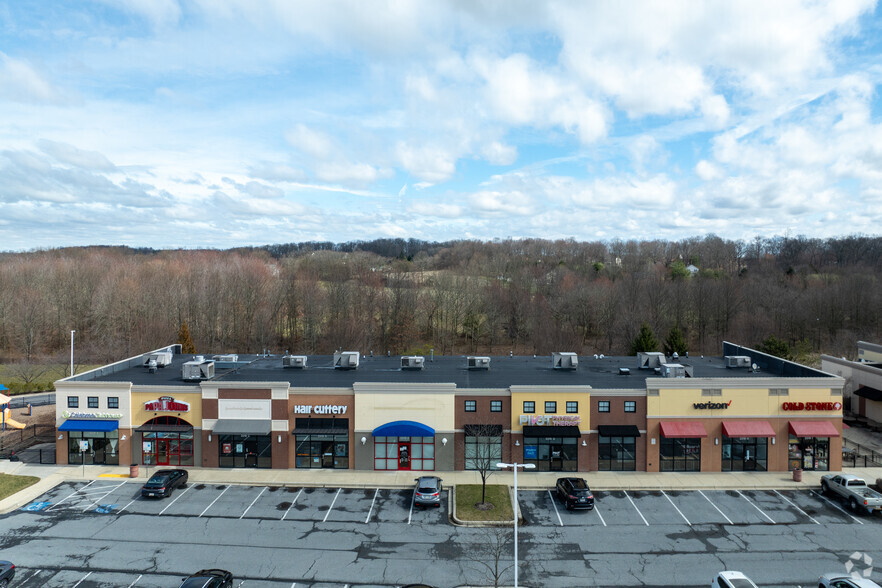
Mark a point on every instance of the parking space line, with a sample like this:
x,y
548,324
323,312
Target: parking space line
x,y
837,506
637,509
598,513
371,511
32,576
125,507
253,501
716,507
410,514
135,582
332,505
213,501
74,493
555,508
796,507
755,506
292,504
81,580
187,489
103,496
675,508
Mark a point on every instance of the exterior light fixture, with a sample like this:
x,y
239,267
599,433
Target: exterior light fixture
x,y
280,438
363,440
584,444
517,443
123,438
773,440
61,436
716,440
209,437
444,441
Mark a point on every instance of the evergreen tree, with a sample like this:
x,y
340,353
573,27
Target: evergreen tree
x,y
645,340
675,343
184,339
774,346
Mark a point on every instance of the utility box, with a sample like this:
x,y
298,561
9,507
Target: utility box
x,y
346,360
294,361
564,360
230,357
672,370
198,368
650,359
737,361
475,362
413,362
160,359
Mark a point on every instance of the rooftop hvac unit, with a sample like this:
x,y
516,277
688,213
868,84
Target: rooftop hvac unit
x,y
198,369
737,361
161,359
228,357
413,362
672,370
564,360
294,361
650,359
478,363
346,360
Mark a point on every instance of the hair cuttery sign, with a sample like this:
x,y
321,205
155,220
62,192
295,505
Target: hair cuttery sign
x,y
166,404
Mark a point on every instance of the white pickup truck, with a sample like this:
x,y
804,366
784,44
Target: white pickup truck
x,y
854,490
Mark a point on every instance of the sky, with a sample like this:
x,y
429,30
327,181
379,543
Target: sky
x,y
223,123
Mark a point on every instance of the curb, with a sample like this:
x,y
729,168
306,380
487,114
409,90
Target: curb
x,y
451,497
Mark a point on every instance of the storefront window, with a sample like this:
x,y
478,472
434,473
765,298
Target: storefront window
x,y
616,454
482,453
555,454
167,448
680,455
322,451
404,453
809,453
245,451
744,454
101,448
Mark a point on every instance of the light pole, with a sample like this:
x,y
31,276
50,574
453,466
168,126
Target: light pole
x,y
514,466
71,352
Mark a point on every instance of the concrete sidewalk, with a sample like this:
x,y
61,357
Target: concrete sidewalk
x,y
50,475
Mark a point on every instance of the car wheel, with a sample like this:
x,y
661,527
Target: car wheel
x,y
4,583
853,504
825,489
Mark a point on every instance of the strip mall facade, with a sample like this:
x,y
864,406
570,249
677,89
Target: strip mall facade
x,y
606,414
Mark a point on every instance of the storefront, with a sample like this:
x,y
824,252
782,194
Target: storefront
x,y
321,443
680,446
745,446
246,427
164,434
482,447
809,445
92,441
549,423
404,445
244,443
617,448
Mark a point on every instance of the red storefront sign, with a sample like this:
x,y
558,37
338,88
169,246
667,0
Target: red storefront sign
x,y
811,406
166,404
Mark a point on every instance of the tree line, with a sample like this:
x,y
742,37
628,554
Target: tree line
x,y
400,296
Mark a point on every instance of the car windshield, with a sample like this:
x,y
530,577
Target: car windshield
x,y
741,583
202,582
158,480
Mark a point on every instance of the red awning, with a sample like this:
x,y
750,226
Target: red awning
x,y
747,429
813,429
683,430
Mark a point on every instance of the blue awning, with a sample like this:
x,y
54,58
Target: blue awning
x,y
403,429
85,425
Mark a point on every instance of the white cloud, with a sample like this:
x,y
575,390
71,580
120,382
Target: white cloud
x,y
707,171
439,209
314,143
430,163
71,155
357,173
502,203
158,12
497,153
20,82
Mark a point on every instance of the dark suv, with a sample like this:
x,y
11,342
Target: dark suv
x,y
575,493
209,579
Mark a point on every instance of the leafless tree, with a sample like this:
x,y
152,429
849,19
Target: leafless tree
x,y
490,556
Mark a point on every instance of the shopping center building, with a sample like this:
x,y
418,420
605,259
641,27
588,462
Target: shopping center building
x,y
742,411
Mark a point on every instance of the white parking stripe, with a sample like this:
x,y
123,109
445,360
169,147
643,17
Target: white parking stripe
x,y
598,513
135,582
637,509
410,514
675,507
253,501
81,580
292,504
103,496
755,506
187,489
125,507
332,505
74,493
371,511
553,503
715,506
796,507
213,501
837,506
34,575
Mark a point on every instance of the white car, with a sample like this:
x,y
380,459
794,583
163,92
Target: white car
x,y
840,580
730,579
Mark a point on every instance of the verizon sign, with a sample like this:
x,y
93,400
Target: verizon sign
x,y
166,404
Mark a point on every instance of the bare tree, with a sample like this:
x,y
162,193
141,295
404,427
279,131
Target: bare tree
x,y
482,451
489,557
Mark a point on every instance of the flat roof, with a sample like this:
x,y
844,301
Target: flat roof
x,y
504,371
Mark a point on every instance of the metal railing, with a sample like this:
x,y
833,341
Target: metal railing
x,y
13,438
856,455
32,399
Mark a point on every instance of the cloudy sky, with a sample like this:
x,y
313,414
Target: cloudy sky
x,y
218,123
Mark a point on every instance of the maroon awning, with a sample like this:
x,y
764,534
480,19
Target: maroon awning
x,y
683,430
747,429
813,429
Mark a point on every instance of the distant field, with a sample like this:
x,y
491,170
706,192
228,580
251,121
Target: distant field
x,y
24,378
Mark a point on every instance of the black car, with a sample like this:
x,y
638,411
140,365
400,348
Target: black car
x,y
209,579
575,493
7,573
163,482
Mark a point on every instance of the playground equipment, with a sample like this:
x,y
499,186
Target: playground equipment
x,y
10,423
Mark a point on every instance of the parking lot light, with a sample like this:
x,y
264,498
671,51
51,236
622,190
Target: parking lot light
x,y
514,466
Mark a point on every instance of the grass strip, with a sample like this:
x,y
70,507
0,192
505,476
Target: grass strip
x,y
468,495
10,484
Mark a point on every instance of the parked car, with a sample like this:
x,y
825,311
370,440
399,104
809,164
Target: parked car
x,y
209,579
575,493
732,579
428,491
854,490
163,482
7,573
840,580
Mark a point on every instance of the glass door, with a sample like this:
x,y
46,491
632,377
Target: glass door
x,y
327,454
162,451
404,456
250,447
556,454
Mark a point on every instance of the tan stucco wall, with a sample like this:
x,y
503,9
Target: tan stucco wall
x,y
380,403
559,394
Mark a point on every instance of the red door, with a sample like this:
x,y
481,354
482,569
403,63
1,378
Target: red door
x,y
162,451
404,456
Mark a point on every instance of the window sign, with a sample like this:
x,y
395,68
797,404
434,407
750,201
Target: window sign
x,y
84,446
228,447
530,451
147,446
239,448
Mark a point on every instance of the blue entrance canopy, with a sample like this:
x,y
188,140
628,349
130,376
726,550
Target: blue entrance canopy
x,y
403,429
85,425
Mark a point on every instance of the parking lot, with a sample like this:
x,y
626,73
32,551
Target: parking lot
x,y
103,534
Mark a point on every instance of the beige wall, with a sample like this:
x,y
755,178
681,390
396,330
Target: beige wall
x,y
559,394
380,403
190,395
83,390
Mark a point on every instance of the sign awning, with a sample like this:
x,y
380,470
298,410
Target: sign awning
x,y
90,426
403,429
683,430
552,431
747,429
618,430
150,428
813,429
242,427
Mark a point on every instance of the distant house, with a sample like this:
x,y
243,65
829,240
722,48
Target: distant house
x,y
692,269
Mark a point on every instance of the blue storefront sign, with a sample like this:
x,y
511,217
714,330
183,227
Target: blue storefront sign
x,y
530,451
